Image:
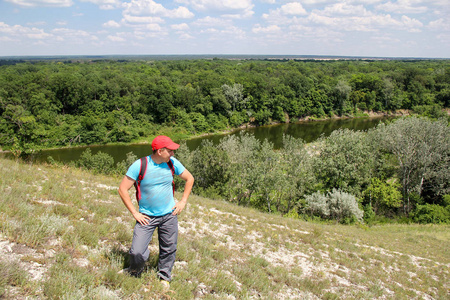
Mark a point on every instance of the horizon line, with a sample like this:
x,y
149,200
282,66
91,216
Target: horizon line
x,y
285,56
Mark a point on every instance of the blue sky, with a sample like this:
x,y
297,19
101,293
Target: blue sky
x,y
379,28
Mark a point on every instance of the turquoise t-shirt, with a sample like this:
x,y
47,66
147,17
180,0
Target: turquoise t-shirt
x,y
156,187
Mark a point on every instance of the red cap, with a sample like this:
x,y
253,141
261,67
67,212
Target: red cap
x,y
162,141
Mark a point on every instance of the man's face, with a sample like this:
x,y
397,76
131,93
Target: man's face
x,y
166,154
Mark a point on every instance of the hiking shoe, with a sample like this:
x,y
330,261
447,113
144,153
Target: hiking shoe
x,y
165,284
133,273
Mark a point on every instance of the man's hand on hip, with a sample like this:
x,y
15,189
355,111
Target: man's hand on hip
x,y
178,208
141,218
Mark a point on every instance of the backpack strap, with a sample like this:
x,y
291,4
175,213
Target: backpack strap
x,y
172,168
137,183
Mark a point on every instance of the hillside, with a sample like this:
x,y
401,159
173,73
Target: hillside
x,y
65,235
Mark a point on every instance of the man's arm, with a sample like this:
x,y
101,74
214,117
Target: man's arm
x,y
186,176
124,186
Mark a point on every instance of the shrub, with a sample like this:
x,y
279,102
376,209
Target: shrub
x,y
100,162
433,111
431,213
343,206
238,118
318,204
369,214
336,205
122,167
199,122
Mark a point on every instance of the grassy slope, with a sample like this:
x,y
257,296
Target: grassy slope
x,y
65,234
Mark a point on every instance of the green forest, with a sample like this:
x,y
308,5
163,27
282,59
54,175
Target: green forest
x,y
397,171
52,104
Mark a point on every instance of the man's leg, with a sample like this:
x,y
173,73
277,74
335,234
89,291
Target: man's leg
x,y
139,252
168,236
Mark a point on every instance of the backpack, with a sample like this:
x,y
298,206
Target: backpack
x,y
143,170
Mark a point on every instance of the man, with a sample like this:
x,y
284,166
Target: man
x,y
157,207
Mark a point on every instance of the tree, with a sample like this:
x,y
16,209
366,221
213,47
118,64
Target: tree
x,y
345,161
243,179
298,173
343,90
268,176
211,168
383,196
234,95
422,149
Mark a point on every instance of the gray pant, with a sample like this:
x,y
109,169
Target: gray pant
x,y
167,236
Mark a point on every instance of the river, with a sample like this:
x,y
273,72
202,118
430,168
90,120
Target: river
x,y
306,130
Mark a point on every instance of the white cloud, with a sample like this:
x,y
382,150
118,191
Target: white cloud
x,y
245,14
232,9
142,7
293,8
111,24
145,33
185,36
269,29
345,9
385,39
153,27
347,17
445,38
234,33
367,2
150,7
317,2
411,25
22,31
440,24
323,20
209,30
6,39
367,23
439,2
403,7
315,32
73,36
286,14
115,38
181,13
219,5
105,4
138,19
212,22
182,26
34,3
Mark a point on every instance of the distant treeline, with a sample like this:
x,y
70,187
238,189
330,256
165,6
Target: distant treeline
x,y
51,104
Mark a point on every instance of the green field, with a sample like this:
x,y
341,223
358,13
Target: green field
x,y
65,235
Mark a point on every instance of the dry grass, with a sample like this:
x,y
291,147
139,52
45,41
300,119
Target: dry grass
x,y
65,235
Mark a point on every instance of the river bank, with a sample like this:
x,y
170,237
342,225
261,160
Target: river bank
x,y
178,135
